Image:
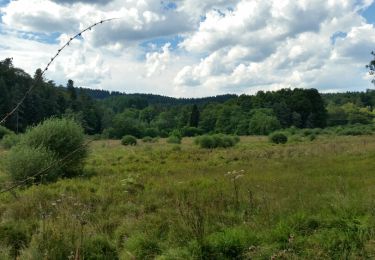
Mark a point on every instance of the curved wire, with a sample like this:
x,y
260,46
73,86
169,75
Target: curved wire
x,y
49,63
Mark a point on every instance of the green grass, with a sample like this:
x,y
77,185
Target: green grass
x,y
305,200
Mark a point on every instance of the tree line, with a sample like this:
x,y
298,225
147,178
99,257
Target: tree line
x,y
115,114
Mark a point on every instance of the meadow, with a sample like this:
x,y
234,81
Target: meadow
x,y
257,200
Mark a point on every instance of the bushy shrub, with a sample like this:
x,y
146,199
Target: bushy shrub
x,y
61,137
4,131
217,140
41,146
355,130
129,140
10,140
25,161
174,139
278,138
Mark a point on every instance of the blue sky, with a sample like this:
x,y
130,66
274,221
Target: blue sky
x,y
195,48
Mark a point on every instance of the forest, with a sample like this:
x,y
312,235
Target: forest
x,y
115,114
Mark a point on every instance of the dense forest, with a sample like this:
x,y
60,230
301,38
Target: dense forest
x,y
116,114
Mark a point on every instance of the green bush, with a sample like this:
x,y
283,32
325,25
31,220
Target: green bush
x,y
62,137
25,161
355,130
217,140
4,131
312,137
52,140
278,138
174,139
10,140
129,140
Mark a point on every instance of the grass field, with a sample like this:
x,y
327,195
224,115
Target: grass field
x,y
309,200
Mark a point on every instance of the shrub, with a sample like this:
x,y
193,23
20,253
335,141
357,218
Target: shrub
x,y
217,140
129,140
25,161
355,130
61,137
174,139
278,138
312,137
10,140
4,131
149,139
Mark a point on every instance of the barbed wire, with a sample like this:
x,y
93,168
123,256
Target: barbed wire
x,y
64,160
3,120
60,162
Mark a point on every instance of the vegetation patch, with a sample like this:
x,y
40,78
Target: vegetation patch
x,y
129,140
216,141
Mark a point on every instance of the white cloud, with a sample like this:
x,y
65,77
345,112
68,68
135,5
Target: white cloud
x,y
227,46
156,62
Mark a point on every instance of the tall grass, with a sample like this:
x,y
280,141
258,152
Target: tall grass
x,y
305,200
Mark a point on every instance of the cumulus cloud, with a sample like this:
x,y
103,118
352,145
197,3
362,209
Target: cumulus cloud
x,y
32,16
215,46
266,44
156,62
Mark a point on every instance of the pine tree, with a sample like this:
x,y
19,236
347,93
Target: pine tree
x,y
194,116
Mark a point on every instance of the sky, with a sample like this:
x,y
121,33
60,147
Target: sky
x,y
194,48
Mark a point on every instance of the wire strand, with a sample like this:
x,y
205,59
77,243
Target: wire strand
x,y
61,161
4,119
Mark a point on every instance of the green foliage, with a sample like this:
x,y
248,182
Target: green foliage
x,y
99,248
4,131
355,130
129,140
174,139
216,141
14,236
10,140
231,243
263,123
191,131
25,161
143,246
149,139
60,137
278,138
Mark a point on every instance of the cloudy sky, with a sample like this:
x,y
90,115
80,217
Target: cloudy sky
x,y
194,48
